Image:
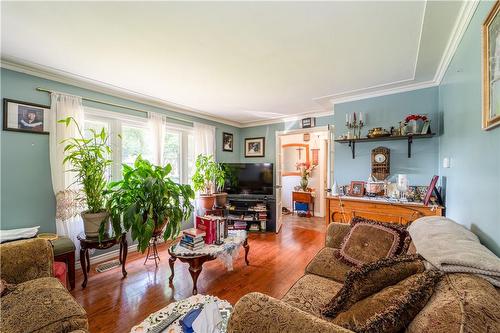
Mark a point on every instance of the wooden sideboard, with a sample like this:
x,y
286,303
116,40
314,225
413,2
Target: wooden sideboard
x,y
342,209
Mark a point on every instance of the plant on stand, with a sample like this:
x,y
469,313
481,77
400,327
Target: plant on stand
x,y
146,201
305,169
206,176
88,159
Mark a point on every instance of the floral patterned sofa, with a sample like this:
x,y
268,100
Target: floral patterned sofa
x,y
33,300
460,303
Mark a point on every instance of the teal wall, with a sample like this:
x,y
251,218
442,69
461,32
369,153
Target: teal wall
x,y
473,181
27,198
386,111
381,112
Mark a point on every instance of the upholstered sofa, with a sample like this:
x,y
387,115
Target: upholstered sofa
x,y
461,302
35,301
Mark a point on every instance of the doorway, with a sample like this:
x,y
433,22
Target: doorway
x,y
299,152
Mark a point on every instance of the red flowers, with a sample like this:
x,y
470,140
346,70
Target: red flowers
x,y
415,117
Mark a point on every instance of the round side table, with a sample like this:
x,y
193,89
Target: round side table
x,y
87,243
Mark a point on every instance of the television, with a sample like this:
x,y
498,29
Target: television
x,y
249,178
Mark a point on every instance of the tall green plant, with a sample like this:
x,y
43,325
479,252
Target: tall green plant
x,y
145,199
88,158
207,174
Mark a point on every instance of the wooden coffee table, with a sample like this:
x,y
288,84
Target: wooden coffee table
x,y
196,261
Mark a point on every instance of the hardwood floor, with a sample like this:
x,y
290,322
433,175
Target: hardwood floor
x,y
114,304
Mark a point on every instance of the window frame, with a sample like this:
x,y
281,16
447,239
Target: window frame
x,y
117,121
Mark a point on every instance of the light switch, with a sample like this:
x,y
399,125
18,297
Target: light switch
x,y
446,162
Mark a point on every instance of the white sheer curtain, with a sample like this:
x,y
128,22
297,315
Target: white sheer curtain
x,y
157,124
204,139
68,220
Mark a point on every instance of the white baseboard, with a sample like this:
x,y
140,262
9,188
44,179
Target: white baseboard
x,y
106,256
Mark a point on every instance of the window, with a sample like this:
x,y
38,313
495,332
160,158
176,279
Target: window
x,y
130,137
172,153
135,141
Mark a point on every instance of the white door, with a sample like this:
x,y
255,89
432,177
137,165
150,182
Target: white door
x,y
279,215
330,141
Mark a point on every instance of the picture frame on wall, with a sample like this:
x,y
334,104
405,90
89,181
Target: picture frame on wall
x,y
491,69
227,141
255,147
308,122
19,116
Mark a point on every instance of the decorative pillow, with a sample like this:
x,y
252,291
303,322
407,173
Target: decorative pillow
x,y
370,240
393,308
371,278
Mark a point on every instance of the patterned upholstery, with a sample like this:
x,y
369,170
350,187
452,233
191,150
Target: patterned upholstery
x,y
327,263
41,305
311,292
39,302
461,302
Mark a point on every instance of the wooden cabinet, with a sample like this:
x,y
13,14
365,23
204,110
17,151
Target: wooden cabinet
x,y
343,209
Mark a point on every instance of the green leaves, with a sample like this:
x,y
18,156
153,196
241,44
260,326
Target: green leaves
x,y
88,158
146,199
207,174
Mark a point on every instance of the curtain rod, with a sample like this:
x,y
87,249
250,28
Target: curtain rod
x,y
117,105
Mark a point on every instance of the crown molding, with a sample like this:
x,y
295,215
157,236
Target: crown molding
x,y
463,20
288,118
384,92
53,74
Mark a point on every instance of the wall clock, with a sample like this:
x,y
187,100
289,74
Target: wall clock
x,y
381,166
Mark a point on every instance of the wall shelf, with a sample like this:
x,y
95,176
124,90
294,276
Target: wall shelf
x,y
409,138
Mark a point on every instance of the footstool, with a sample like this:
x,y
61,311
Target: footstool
x,y
64,251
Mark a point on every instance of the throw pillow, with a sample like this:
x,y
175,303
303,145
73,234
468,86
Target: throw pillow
x,y
393,308
371,278
370,240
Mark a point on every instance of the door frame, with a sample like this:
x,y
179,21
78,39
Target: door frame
x,y
327,128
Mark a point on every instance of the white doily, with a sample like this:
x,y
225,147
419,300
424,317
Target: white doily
x,y
226,252
183,307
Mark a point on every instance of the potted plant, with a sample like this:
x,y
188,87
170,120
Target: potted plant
x,y
88,159
220,179
204,179
146,201
305,169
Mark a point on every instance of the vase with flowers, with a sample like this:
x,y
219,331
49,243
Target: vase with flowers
x,y
414,123
305,169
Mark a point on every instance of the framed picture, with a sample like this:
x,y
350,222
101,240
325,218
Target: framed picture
x,y
227,141
25,117
308,122
491,69
255,147
357,189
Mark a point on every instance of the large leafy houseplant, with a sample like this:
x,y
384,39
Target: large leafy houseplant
x,y
146,200
208,174
88,160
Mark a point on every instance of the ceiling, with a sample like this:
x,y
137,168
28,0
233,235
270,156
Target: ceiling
x,y
240,61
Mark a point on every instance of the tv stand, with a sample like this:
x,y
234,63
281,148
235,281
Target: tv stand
x,y
254,213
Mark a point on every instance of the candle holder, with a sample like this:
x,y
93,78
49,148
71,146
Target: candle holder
x,y
354,125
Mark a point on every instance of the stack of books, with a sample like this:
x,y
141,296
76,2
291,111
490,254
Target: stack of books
x,y
193,239
239,225
254,227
